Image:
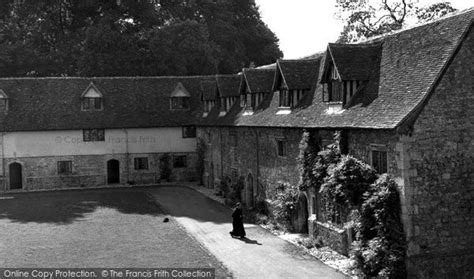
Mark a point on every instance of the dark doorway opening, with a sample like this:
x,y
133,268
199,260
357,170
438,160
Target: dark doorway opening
x,y
113,171
16,177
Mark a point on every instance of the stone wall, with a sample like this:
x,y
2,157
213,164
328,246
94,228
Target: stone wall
x,y
441,163
91,170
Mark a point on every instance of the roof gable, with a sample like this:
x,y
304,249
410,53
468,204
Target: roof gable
x,y
92,92
228,85
180,91
299,74
209,90
259,80
3,95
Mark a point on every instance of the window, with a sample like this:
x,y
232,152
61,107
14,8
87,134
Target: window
x,y
314,208
141,163
189,132
91,103
64,167
379,160
93,135
282,150
179,102
179,161
284,98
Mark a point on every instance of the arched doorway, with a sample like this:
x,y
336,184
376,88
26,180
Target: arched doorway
x,y
16,177
250,197
113,171
301,219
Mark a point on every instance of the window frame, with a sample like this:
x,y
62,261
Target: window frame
x,y
140,163
92,103
89,136
282,147
179,103
380,161
186,134
64,167
179,164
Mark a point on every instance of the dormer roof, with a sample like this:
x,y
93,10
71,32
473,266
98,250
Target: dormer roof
x,y
258,80
180,91
297,74
209,89
352,61
91,92
228,85
3,95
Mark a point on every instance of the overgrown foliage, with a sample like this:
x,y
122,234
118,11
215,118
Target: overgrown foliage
x,y
343,180
132,38
368,18
380,246
285,203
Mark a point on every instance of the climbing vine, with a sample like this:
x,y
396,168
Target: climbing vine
x,y
379,249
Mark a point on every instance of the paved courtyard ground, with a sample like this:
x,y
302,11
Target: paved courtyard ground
x,y
94,228
261,255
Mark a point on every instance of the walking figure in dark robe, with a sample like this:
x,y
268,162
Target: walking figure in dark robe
x,y
237,222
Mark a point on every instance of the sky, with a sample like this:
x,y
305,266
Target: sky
x,y
305,27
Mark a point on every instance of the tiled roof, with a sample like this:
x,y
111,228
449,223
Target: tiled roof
x,y
208,89
410,62
259,80
55,103
228,85
355,61
299,74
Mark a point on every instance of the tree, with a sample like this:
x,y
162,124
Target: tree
x,y
367,18
130,37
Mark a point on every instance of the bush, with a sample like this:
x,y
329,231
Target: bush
x,y
284,204
380,247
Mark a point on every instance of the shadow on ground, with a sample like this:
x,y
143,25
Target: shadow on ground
x,y
65,207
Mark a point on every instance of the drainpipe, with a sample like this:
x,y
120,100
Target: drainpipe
x,y
127,155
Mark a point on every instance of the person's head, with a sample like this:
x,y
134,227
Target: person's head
x,y
238,205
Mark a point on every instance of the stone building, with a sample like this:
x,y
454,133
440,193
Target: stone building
x,y
79,132
403,103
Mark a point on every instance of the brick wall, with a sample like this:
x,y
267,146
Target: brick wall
x,y
441,163
91,170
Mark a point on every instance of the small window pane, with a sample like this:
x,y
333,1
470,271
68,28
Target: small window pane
x,y
64,167
179,161
141,163
93,135
189,132
282,148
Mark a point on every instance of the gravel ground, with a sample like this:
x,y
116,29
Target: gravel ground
x,y
95,228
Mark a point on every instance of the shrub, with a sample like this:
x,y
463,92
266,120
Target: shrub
x,y
380,247
309,149
284,204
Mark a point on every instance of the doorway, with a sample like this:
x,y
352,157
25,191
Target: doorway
x,y
113,171
16,177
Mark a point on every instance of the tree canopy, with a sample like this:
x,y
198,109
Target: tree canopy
x,y
132,37
368,18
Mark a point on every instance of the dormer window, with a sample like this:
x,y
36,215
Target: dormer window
x,y
3,101
179,99
92,99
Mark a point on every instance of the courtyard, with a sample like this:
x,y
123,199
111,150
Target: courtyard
x,y
124,227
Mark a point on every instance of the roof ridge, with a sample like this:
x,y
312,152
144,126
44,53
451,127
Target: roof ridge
x,y
108,77
416,25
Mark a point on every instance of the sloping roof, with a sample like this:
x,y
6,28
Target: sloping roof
x,y
354,61
3,95
228,85
259,80
180,91
55,103
299,74
209,89
403,74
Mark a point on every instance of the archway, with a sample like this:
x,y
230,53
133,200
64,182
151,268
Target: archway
x,y
301,221
113,171
250,194
16,177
